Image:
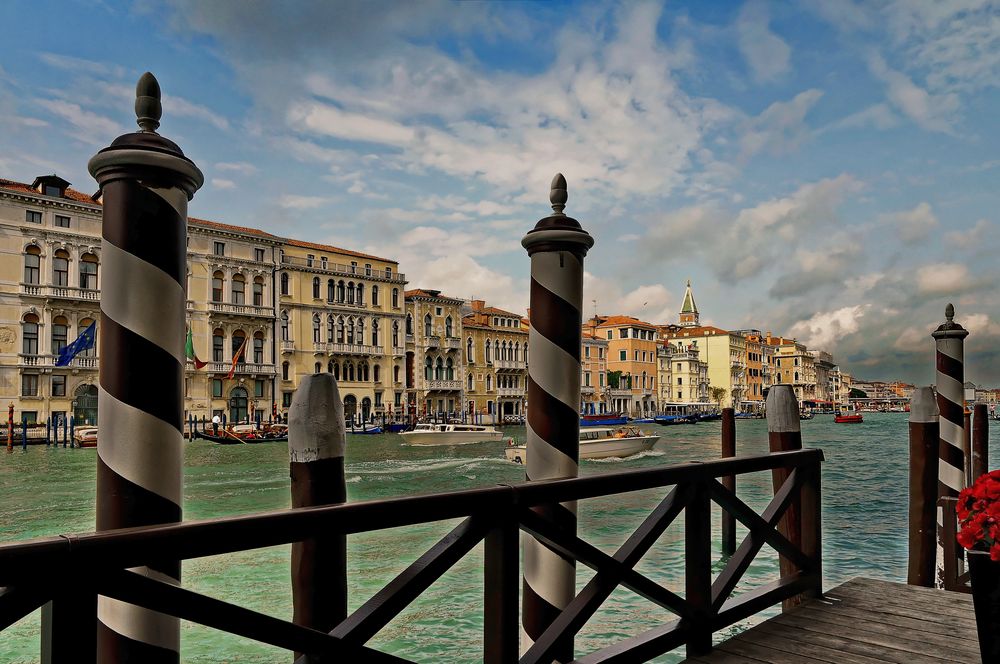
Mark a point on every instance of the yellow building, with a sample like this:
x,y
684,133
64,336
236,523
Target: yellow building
x,y
682,378
632,363
496,359
434,366
724,353
594,378
795,366
342,312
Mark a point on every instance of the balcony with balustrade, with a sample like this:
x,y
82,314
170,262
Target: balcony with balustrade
x,y
28,360
72,293
344,270
452,343
333,348
516,392
242,368
510,365
433,341
444,385
228,308
587,389
398,350
287,345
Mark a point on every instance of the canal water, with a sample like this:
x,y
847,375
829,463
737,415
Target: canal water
x,y
51,491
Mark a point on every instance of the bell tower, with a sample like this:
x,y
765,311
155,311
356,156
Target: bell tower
x,y
689,310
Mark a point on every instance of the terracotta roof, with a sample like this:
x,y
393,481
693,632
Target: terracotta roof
x,y
71,193
230,227
327,247
704,330
608,321
430,293
500,312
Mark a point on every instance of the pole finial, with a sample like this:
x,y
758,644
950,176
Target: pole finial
x,y
949,312
558,194
147,103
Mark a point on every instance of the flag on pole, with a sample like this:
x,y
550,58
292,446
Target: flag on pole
x,y
189,352
236,358
81,343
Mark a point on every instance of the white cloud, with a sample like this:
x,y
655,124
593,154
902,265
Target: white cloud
x,y
932,112
943,279
86,126
915,225
329,120
877,116
781,127
825,328
220,183
294,202
241,167
972,238
653,303
765,52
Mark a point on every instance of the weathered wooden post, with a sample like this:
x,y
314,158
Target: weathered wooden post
x,y
967,443
317,440
784,433
729,481
556,245
10,427
949,339
146,183
980,442
924,434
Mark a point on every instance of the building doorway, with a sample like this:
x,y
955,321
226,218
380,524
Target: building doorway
x,y
238,405
350,407
85,405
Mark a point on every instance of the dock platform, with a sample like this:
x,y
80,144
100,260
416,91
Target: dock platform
x,y
862,621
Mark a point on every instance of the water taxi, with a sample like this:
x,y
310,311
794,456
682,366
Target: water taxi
x,y
450,434
85,436
598,444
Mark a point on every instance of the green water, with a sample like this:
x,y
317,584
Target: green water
x,y
51,491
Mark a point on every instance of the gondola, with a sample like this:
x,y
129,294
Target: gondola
x,y
227,437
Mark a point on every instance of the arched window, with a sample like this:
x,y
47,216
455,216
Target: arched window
x,y
361,294
470,383
496,349
284,371
340,291
29,334
363,372
360,335
395,298
32,263
526,352
427,325
395,333
489,383
428,368
487,351
409,324
258,291
239,336
329,367
218,284
449,370
340,330
349,371
315,288
350,292
284,326
329,328
503,351
284,283
376,374
375,332
468,351
447,327
374,296
316,337
239,289
331,290
218,345
336,370
258,347
517,351
60,268
60,330
350,330
439,370
395,374
317,368
88,272
82,325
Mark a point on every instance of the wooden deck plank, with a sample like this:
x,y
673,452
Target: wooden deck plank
x,y
862,621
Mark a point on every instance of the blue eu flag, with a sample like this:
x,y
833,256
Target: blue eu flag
x,y
80,344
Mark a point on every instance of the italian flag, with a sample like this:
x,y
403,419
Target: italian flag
x,y
189,352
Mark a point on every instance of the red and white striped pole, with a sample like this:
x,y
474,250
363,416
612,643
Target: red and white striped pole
x,y
557,246
949,340
146,182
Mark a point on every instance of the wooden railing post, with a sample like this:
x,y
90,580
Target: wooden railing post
x,y
698,569
69,629
784,433
728,481
812,527
317,440
924,434
980,442
501,633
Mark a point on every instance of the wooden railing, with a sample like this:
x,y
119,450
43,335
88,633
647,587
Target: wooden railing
x,y
40,570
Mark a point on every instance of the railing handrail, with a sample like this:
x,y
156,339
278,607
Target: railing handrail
x,y
130,547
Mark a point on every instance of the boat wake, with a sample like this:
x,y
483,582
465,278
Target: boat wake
x,y
641,455
392,466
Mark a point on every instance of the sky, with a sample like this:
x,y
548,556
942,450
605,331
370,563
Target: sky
x,y
819,170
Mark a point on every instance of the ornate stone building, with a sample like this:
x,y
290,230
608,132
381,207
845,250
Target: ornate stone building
x,y
496,358
434,365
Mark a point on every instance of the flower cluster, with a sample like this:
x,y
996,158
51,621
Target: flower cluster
x,y
978,512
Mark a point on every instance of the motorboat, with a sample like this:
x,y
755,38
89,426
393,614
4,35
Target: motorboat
x,y
598,443
850,418
670,420
85,436
450,434
603,419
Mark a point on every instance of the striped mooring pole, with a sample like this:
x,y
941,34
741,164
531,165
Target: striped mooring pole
x,y
146,182
556,246
949,339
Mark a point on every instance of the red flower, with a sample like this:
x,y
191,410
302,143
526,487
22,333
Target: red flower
x,y
978,511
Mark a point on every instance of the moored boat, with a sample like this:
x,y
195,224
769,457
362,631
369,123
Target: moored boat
x,y
85,436
369,431
603,420
246,434
670,420
598,443
450,434
848,419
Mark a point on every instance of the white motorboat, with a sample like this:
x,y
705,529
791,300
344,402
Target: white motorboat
x,y
599,443
450,434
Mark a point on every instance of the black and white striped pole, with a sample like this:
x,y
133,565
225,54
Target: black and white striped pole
x,y
146,183
557,246
949,339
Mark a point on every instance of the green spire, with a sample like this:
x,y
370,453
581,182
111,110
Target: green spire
x,y
689,307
